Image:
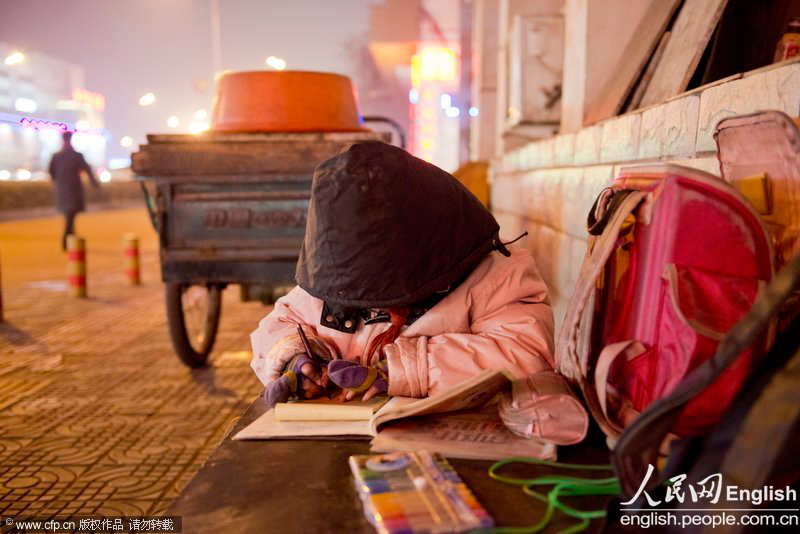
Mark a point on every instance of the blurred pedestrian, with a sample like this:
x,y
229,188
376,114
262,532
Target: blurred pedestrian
x,y
65,170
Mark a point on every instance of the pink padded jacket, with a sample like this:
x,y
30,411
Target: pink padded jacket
x,y
498,318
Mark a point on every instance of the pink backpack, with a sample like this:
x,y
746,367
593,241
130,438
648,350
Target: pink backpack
x,y
676,257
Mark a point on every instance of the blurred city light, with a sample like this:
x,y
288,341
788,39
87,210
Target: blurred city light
x,y
173,121
67,104
196,127
200,115
25,105
90,98
50,136
5,174
413,95
14,58
433,63
119,163
126,141
276,62
23,174
147,99
473,111
446,100
452,112
105,176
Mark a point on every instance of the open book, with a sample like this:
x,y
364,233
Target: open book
x,y
451,422
323,409
470,394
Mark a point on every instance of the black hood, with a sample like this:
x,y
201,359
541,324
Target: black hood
x,y
386,229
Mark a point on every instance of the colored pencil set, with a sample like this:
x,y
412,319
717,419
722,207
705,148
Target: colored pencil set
x,y
415,492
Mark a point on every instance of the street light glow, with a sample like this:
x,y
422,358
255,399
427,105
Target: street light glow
x,y
14,58
173,121
105,176
25,105
23,174
446,100
276,62
147,99
126,141
5,174
433,64
197,127
200,115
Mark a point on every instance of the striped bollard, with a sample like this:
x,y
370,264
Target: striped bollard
x,y
76,267
132,259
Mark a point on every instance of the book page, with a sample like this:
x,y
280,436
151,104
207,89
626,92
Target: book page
x,y
267,427
476,435
328,409
469,395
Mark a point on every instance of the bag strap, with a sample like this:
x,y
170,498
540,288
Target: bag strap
x,y
605,361
604,207
575,323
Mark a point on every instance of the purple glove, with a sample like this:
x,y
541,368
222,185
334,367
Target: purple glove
x,y
357,378
292,383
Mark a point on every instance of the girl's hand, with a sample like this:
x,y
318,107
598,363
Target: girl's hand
x,y
304,378
355,379
313,379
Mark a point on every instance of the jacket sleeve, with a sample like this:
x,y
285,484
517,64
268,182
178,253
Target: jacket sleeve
x,y
52,168
276,341
511,328
89,172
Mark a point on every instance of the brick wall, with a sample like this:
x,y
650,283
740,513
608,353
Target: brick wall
x,y
547,187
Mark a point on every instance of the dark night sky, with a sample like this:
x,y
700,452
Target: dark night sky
x,y
128,48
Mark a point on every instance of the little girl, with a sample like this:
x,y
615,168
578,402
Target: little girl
x,y
405,288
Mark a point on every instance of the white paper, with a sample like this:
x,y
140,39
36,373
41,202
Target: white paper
x,y
267,427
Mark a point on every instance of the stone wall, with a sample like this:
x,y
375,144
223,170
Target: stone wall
x,y
547,187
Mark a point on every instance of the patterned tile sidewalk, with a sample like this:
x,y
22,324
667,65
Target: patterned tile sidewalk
x,y
97,415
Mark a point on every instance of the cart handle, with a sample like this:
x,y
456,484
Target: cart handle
x,y
391,122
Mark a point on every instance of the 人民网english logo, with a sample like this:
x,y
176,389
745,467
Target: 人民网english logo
x,y
709,502
710,490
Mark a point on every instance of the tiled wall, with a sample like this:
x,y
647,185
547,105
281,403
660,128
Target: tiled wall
x,y
547,187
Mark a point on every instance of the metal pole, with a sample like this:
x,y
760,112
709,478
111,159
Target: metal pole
x,y
216,39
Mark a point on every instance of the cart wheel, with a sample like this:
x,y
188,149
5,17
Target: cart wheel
x,y
193,315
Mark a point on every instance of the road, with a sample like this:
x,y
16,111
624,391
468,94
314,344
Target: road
x,y
97,415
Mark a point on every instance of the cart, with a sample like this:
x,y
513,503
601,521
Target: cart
x,y
229,208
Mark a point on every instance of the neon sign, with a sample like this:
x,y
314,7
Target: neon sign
x,y
38,124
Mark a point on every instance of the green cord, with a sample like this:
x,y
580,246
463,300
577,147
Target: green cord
x,y
563,486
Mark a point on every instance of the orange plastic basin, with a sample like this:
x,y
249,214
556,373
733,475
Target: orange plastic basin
x,y
284,101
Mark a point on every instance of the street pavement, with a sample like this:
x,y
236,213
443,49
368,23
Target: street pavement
x,y
97,415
